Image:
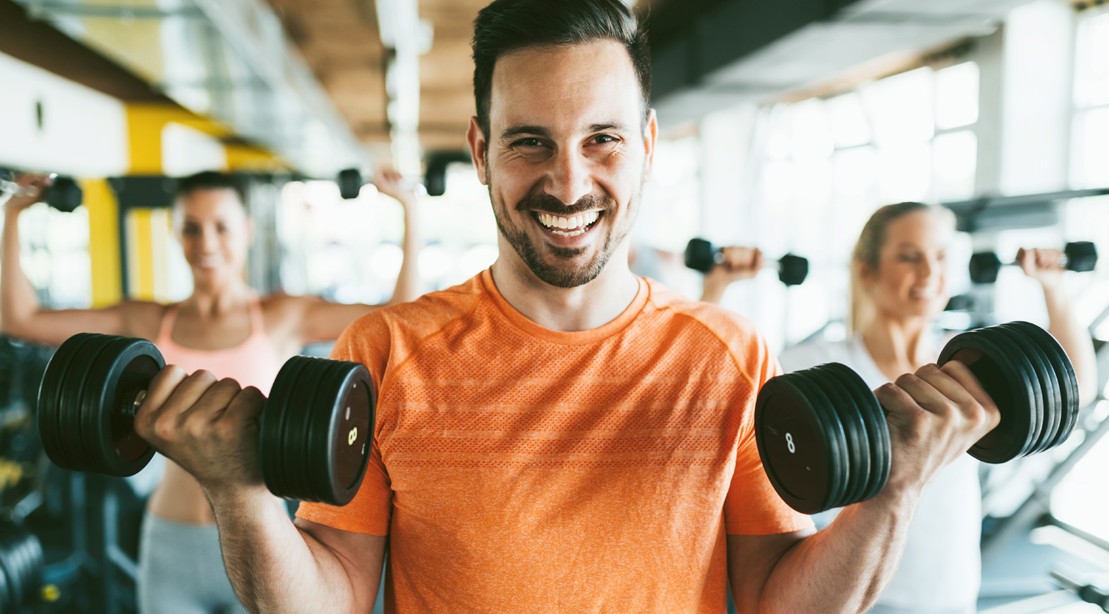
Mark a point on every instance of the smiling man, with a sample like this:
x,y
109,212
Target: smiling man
x,y
558,434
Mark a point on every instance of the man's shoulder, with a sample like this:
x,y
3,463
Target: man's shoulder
x,y
426,313
722,322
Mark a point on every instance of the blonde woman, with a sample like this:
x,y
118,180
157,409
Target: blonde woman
x,y
898,287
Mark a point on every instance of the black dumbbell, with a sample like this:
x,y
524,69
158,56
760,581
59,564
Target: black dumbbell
x,y
63,194
702,255
350,182
1081,256
21,563
314,431
824,440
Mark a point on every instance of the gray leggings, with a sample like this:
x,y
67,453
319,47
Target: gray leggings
x,y
181,570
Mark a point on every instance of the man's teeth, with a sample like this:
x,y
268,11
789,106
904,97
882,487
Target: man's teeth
x,y
576,224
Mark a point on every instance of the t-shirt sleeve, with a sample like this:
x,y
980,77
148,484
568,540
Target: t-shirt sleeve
x,y
369,511
752,506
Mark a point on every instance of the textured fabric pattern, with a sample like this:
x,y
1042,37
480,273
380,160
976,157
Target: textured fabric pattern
x,y
516,468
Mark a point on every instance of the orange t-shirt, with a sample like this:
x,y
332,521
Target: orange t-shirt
x,y
519,469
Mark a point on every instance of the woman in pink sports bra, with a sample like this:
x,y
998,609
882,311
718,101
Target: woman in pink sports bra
x,y
223,327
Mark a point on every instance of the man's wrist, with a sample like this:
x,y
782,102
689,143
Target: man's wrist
x,y
239,498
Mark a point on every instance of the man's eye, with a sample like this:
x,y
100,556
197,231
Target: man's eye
x,y
604,139
530,142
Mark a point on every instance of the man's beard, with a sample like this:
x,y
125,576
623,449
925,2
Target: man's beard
x,y
559,274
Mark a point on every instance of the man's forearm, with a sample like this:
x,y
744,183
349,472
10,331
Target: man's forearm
x,y
273,566
844,567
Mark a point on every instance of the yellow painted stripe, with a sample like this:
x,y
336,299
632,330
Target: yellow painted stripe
x,y
104,257
140,257
248,158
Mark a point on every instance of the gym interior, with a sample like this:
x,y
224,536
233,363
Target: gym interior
x,y
782,126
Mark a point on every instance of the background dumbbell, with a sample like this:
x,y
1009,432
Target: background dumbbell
x,y
701,255
314,431
824,440
21,562
1081,256
63,194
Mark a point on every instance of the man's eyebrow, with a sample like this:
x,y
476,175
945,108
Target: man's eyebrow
x,y
607,126
512,131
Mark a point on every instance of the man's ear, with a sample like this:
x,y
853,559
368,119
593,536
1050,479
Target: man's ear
x,y
479,148
650,137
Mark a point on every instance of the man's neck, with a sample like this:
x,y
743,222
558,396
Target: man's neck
x,y
585,307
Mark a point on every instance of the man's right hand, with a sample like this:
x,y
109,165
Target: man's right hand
x,y
935,415
208,427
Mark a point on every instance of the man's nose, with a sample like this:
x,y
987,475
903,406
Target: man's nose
x,y
569,178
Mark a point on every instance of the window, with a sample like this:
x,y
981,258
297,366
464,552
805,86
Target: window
x,y
1090,165
832,161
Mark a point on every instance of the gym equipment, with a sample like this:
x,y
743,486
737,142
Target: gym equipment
x,y
314,431
702,255
64,194
350,183
1081,257
21,563
825,443
350,180
1088,593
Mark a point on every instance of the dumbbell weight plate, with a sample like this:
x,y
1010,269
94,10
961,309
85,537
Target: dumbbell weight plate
x,y
311,476
875,420
1045,404
858,450
124,368
64,194
837,435
350,183
52,430
798,453
1064,375
70,453
1081,256
1031,403
345,437
699,255
792,270
1006,385
282,471
306,446
20,566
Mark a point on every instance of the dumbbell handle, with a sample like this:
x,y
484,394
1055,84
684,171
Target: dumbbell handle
x,y
12,188
768,263
130,409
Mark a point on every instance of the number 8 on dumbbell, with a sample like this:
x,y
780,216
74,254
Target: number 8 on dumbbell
x,y
313,432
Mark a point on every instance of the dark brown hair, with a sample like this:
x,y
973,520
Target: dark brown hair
x,y
509,25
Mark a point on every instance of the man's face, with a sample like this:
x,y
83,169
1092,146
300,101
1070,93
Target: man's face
x,y
566,156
